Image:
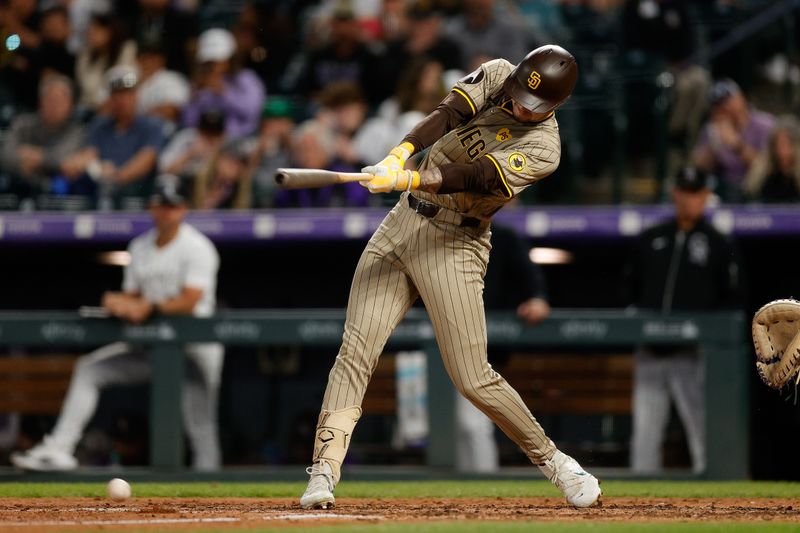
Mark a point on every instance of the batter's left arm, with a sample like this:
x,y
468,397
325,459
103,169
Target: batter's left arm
x,y
482,176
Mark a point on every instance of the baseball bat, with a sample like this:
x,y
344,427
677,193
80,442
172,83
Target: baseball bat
x,y
307,178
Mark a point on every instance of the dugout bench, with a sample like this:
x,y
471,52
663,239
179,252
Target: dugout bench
x,y
721,336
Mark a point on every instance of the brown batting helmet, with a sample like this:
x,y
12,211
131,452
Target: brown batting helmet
x,y
543,80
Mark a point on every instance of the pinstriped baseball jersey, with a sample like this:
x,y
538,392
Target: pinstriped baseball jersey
x,y
522,153
412,256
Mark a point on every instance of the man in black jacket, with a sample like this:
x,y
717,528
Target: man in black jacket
x,y
683,264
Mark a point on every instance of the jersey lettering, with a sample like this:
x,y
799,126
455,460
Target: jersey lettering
x,y
467,138
466,135
475,150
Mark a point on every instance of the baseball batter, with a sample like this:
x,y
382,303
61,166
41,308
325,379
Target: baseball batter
x,y
490,138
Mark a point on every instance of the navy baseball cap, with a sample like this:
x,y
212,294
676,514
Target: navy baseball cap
x,y
169,190
693,179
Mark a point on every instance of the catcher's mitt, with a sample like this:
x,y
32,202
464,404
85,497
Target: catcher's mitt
x,y
776,336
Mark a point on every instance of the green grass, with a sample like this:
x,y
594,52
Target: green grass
x,y
401,489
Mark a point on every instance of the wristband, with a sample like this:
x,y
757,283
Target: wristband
x,y
413,180
402,151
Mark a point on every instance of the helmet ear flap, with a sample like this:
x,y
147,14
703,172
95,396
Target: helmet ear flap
x,y
543,80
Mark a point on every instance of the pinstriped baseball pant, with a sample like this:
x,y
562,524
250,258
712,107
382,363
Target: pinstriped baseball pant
x,y
411,256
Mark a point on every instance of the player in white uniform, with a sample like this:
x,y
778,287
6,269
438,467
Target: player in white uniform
x,y
173,271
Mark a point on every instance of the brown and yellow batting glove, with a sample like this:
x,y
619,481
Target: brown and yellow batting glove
x,y
389,174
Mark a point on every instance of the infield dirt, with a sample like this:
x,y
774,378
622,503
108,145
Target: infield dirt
x,y
88,514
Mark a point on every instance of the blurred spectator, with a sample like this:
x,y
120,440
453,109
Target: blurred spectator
x,y
424,39
343,111
481,35
172,271
80,13
21,17
190,149
592,22
658,34
266,37
774,176
393,21
121,149
542,20
683,264
53,54
18,68
272,149
227,181
162,92
732,138
314,145
419,91
106,46
159,21
346,57
221,85
660,27
38,143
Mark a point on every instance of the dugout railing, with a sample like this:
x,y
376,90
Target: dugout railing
x,y
721,336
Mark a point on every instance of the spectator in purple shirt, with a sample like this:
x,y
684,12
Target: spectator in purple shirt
x,y
218,84
732,138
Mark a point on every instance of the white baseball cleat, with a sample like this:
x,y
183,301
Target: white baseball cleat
x,y
319,493
579,487
45,457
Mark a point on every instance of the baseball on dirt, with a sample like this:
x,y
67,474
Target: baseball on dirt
x,y
118,489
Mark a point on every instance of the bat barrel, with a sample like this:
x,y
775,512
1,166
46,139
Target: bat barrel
x,y
305,178
302,178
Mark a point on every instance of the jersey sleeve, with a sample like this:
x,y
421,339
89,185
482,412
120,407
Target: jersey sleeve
x,y
478,86
202,267
522,164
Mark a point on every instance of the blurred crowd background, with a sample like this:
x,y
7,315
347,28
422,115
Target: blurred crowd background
x,y
98,97
223,92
